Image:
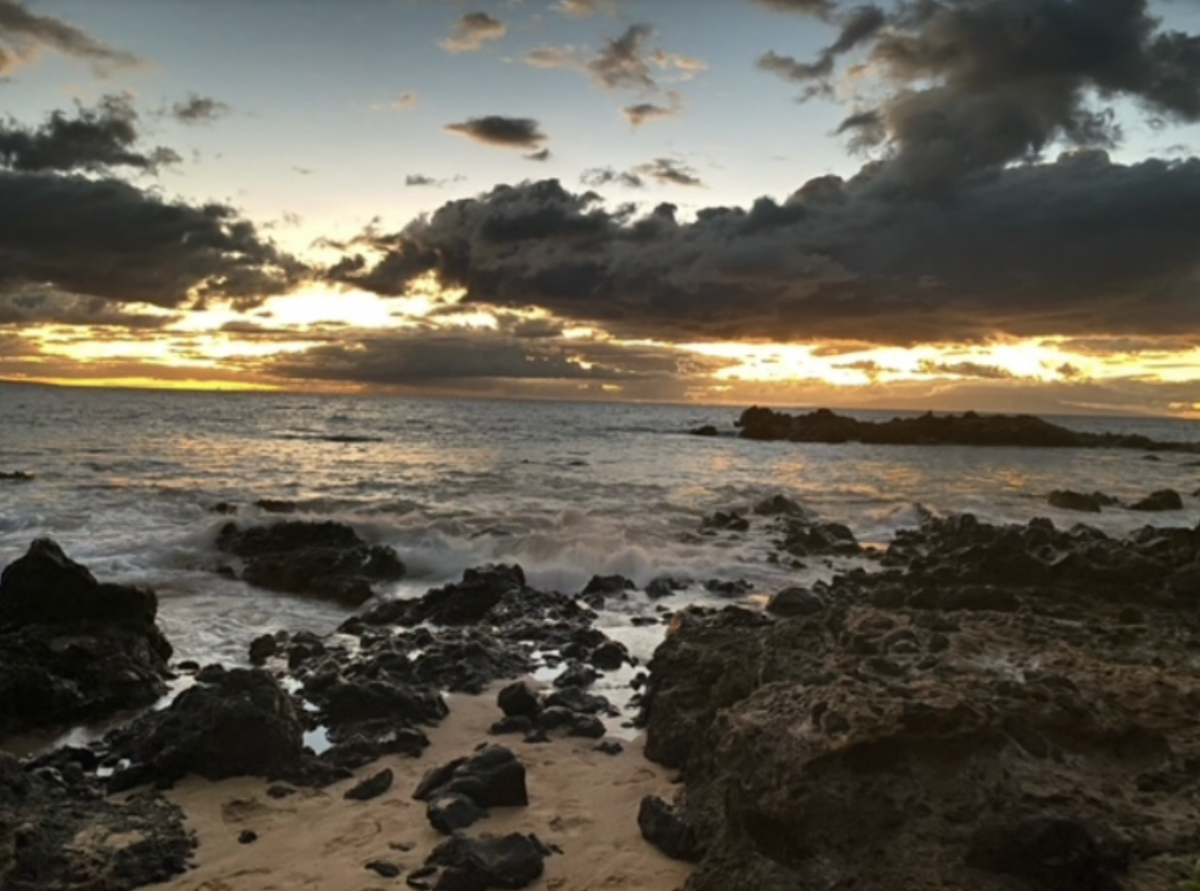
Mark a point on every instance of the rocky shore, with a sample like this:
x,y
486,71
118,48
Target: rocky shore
x,y
998,708
1001,708
969,428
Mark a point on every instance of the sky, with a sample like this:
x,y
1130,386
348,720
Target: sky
x,y
931,204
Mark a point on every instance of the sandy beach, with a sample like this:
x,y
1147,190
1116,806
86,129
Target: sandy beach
x,y
581,800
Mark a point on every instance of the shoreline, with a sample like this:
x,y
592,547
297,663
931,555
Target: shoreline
x,y
580,800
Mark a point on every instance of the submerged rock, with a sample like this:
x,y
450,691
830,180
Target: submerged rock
x,y
1164,499
72,648
320,559
1065,499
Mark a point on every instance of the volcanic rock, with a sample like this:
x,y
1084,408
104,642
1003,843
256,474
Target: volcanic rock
x,y
476,864
71,648
58,833
492,778
1164,499
321,559
1065,499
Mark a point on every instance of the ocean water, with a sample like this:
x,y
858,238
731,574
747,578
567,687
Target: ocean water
x,y
125,482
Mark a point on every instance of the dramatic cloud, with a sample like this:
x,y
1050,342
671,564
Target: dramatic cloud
x,y
199,110
623,61
106,238
972,86
472,32
1081,246
669,172
542,155
501,131
39,306
603,176
641,112
94,139
23,35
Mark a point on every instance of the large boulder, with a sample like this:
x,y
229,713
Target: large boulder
x,y
492,778
72,648
324,559
241,723
477,864
1164,499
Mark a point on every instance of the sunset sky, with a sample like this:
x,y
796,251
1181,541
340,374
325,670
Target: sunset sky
x,y
989,204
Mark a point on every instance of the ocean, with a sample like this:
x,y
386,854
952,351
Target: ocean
x,y
125,482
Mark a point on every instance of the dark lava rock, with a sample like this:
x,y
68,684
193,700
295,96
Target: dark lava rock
x,y
663,828
725,521
779,505
587,726
275,506
243,724
663,587
1053,853
969,429
263,648
805,539
451,812
795,602
492,778
16,476
476,864
728,588
57,835
518,699
705,430
610,655
576,674
364,699
384,868
940,736
1164,499
512,724
1065,499
610,747
576,700
71,648
464,603
357,745
320,559
372,787
247,836
607,585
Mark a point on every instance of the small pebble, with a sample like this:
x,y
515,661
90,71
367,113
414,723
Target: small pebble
x,y
246,836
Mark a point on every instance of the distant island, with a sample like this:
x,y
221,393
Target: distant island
x,y
969,428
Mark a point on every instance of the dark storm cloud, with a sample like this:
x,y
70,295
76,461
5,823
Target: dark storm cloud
x,y
857,26
198,109
603,176
428,357
472,31
541,155
92,139
35,307
106,238
1081,246
497,130
23,35
977,84
669,172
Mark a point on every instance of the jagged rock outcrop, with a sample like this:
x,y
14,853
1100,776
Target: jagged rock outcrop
x,y
72,648
1004,709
